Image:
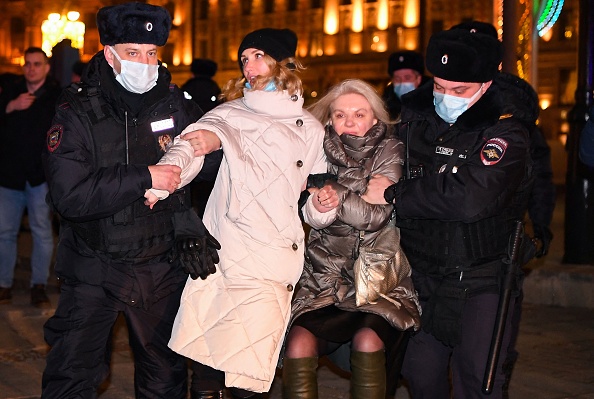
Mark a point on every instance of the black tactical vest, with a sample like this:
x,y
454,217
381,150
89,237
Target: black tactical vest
x,y
136,233
441,248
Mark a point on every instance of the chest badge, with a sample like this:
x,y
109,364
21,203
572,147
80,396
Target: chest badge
x,y
444,150
163,124
493,151
164,141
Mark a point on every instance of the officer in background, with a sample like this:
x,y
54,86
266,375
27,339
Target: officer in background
x,y
406,70
116,255
469,178
205,92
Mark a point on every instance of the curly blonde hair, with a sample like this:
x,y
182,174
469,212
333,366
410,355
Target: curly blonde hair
x,y
283,73
322,109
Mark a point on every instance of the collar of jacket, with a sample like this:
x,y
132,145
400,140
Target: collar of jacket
x,y
518,97
485,112
348,150
279,104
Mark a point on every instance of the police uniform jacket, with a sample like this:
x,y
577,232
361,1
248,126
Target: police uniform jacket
x,y
22,134
99,149
456,220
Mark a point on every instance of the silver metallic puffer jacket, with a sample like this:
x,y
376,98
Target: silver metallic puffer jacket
x,y
330,251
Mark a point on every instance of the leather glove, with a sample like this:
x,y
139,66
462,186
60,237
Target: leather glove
x,y
319,179
197,255
542,239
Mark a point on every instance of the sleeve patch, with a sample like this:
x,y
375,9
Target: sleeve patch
x,y
54,137
493,151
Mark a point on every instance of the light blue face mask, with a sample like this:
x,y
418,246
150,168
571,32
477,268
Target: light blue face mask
x,y
269,87
401,89
449,107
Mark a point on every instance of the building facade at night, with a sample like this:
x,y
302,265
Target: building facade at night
x,y
338,39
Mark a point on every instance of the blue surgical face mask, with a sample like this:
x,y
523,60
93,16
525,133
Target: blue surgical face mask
x,y
401,89
269,87
449,107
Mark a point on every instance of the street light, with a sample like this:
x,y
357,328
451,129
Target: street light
x,y
58,27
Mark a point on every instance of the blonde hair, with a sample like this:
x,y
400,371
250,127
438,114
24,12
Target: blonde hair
x,y
322,109
283,73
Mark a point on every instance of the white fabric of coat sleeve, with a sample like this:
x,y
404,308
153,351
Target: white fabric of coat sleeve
x,y
316,219
180,153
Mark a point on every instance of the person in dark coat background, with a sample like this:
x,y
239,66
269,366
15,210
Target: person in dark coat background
x,y
64,57
406,70
26,110
205,92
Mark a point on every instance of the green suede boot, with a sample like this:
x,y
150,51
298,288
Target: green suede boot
x,y
299,378
368,378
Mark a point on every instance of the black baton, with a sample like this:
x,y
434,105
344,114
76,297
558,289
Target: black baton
x,y
501,318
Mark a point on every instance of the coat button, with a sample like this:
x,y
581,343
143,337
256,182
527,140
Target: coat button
x,y
289,287
294,97
299,122
295,247
300,163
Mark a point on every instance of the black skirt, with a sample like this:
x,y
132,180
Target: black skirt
x,y
337,327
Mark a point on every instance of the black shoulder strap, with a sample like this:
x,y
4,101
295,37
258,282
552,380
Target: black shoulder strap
x,y
86,100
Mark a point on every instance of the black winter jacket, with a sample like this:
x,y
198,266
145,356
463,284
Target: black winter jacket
x,y
22,134
478,188
91,185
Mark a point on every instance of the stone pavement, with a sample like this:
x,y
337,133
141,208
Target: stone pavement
x,y
556,341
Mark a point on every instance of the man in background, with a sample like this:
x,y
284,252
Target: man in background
x,y
406,69
26,110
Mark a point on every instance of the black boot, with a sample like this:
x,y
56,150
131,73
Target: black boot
x,y
206,394
237,393
368,379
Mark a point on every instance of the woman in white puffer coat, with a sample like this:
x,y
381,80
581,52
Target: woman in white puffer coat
x,y
233,323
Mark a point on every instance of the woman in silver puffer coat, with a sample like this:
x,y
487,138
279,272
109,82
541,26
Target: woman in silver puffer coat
x,y
358,143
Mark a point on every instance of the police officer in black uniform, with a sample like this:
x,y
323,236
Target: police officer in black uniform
x,y
407,72
469,176
115,254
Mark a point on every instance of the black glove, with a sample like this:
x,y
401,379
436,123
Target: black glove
x,y
542,239
319,179
197,255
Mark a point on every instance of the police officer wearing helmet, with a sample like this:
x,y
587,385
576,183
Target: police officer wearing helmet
x,y
469,178
115,254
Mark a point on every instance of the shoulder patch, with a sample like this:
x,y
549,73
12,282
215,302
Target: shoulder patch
x,y
493,151
54,137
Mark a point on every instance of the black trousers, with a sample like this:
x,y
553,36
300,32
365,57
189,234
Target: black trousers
x,y
80,335
427,361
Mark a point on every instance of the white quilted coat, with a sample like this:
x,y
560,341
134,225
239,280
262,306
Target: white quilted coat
x,y
235,320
